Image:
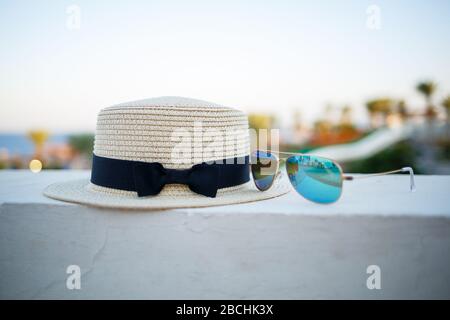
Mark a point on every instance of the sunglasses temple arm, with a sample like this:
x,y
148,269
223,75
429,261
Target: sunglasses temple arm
x,y
412,185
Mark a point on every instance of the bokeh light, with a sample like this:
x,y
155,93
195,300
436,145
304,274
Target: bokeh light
x,y
35,166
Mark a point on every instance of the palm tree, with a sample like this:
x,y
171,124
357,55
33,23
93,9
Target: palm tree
x,y
427,88
446,104
346,117
38,137
402,109
381,106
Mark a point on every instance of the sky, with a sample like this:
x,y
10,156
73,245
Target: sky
x,y
63,61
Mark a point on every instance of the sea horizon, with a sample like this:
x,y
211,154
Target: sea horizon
x,y
20,144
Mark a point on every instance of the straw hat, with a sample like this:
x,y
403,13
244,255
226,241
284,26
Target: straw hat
x,y
173,135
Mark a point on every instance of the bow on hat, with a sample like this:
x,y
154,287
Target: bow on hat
x,y
150,178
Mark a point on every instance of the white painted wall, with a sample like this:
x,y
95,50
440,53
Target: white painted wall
x,y
280,248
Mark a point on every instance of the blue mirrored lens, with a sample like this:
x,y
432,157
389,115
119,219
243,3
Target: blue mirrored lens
x,y
264,168
315,178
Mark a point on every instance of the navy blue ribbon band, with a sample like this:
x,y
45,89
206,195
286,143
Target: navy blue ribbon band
x,y
150,178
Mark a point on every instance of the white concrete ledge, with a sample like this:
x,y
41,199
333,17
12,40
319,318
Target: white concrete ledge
x,y
280,248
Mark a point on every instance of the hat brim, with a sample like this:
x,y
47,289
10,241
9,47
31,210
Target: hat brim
x,y
78,192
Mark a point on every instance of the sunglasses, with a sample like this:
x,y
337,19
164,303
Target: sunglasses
x,y
315,178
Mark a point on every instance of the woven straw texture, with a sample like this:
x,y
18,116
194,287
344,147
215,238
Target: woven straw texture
x,y
176,132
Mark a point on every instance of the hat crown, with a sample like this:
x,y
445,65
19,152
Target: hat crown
x,y
170,101
177,132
